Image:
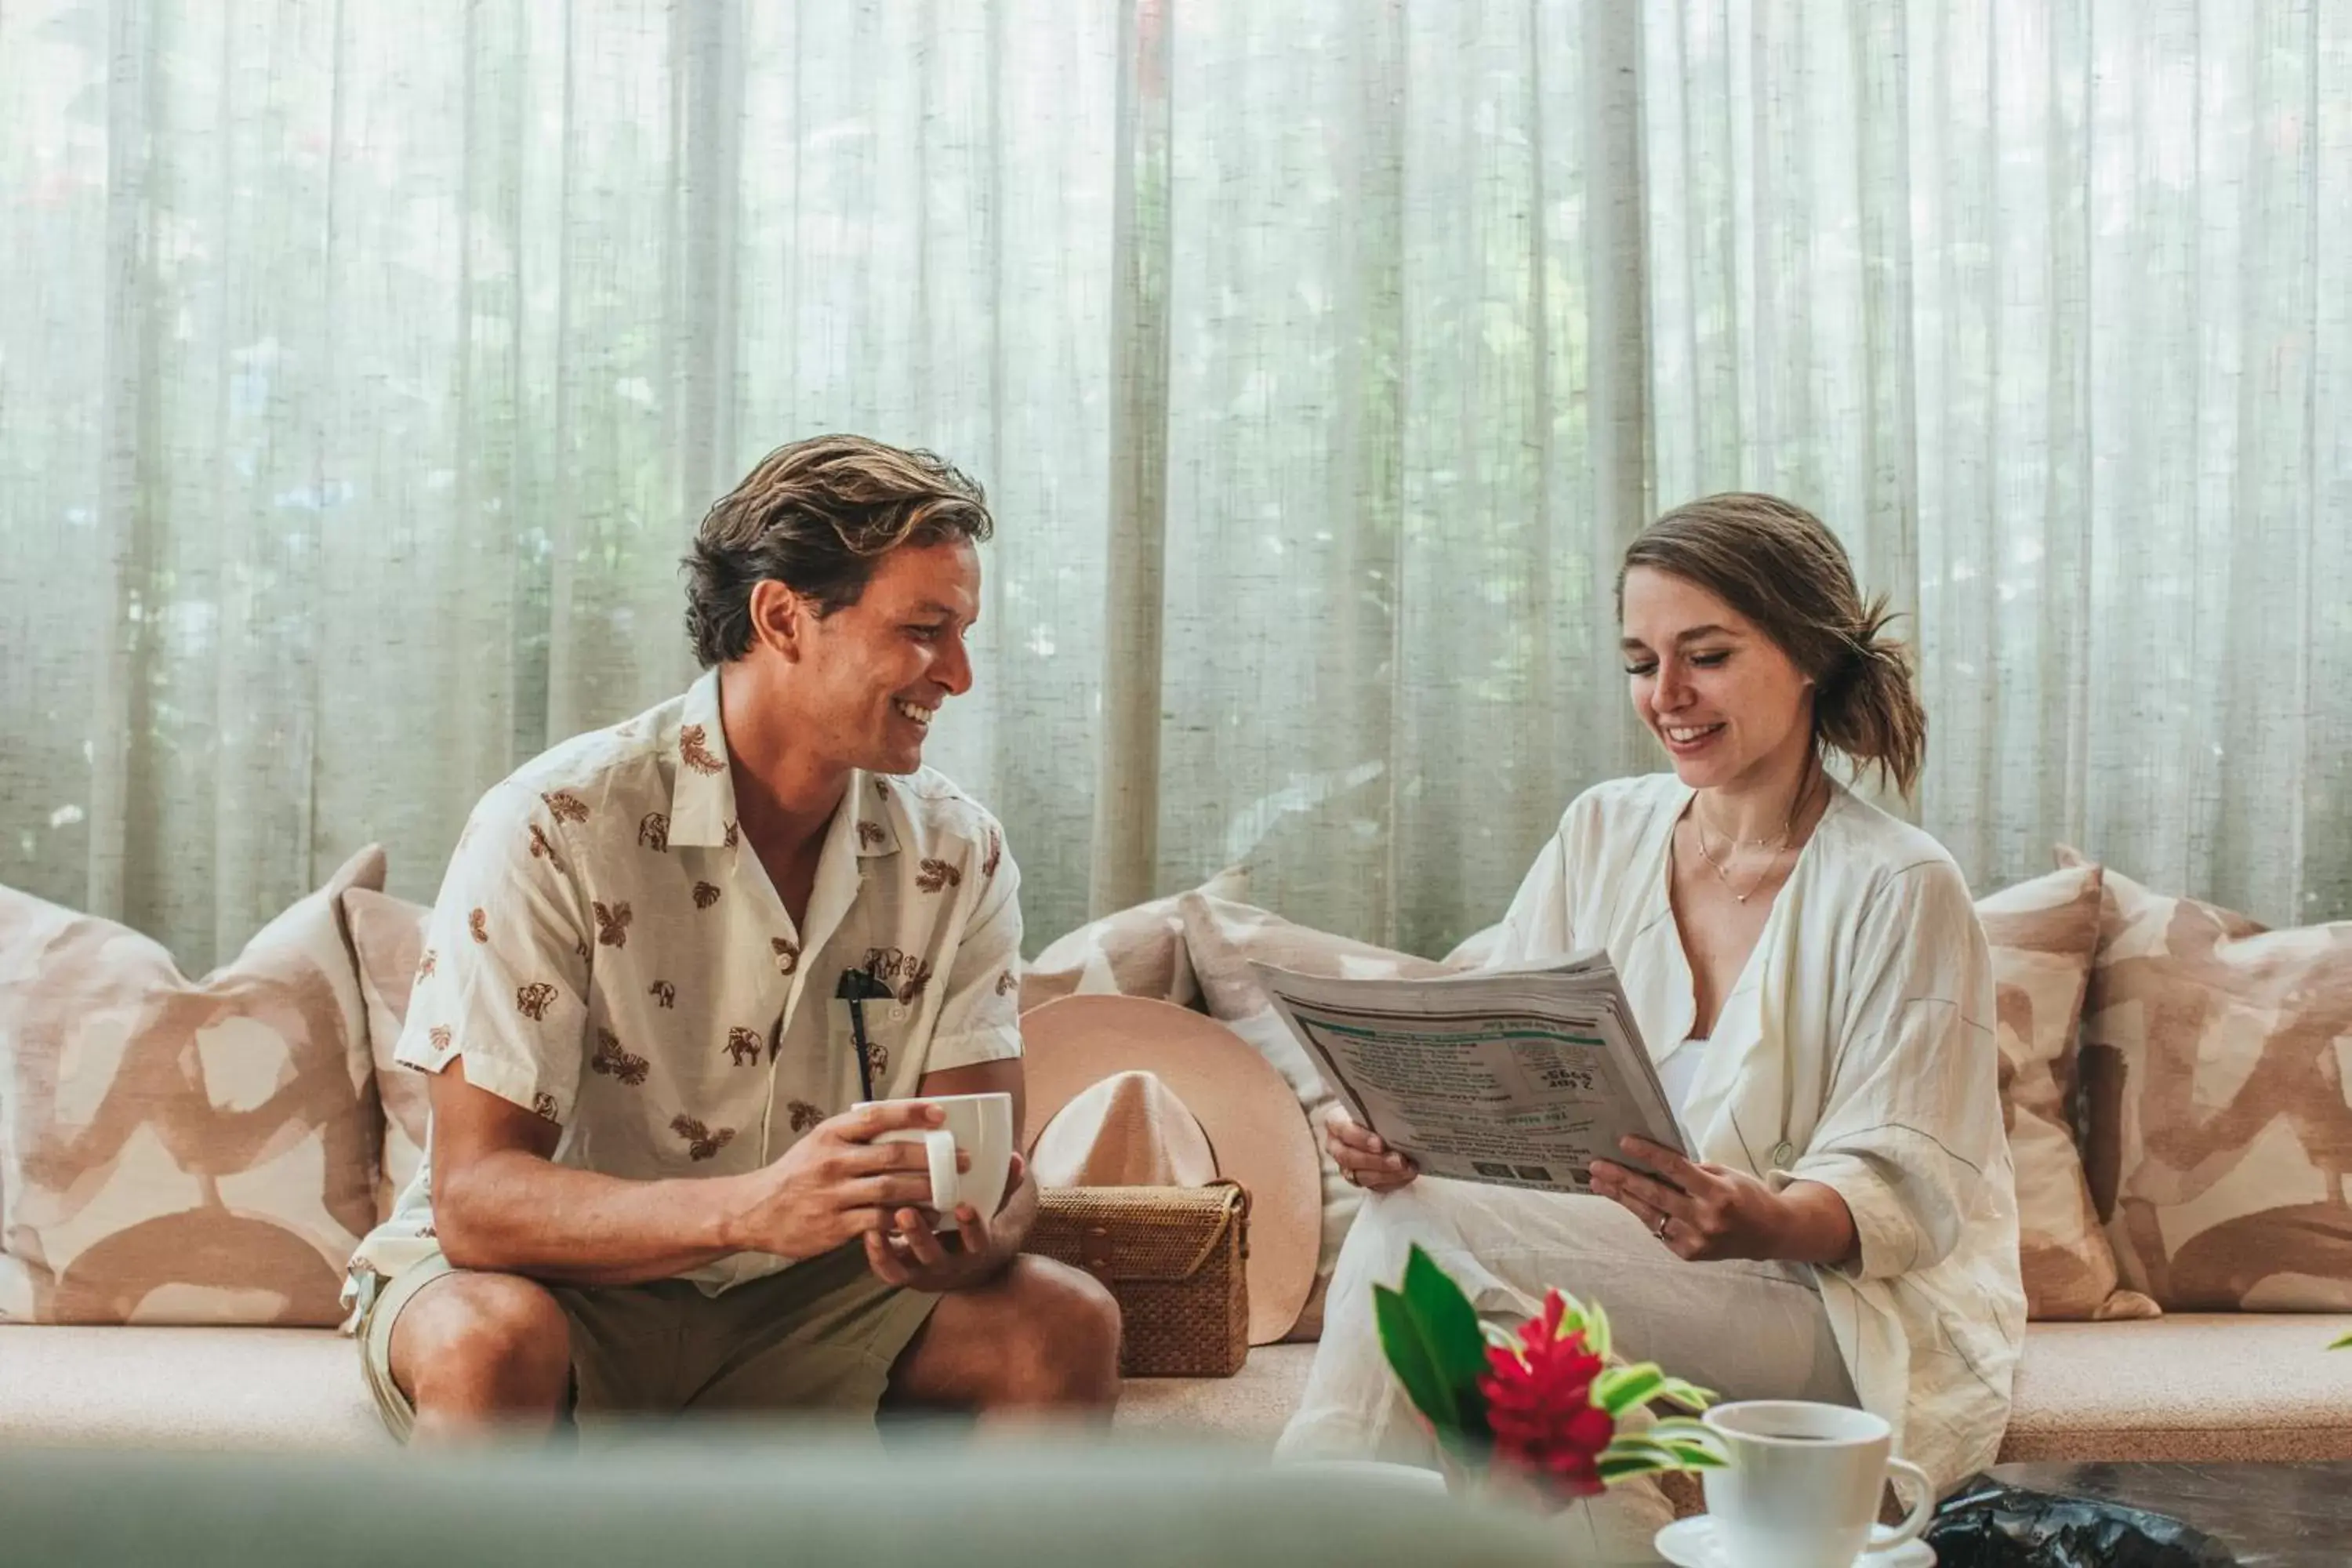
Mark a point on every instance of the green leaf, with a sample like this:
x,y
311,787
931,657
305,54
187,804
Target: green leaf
x,y
1408,1357
1682,1429
1626,1447
1624,1388
1648,1451
1449,1324
1618,1470
1688,1395
1692,1445
1694,1458
1596,1329
2339,1343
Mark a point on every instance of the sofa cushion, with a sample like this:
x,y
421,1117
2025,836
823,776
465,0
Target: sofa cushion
x,y
1249,1408
301,1388
388,937
2220,1387
2189,1386
2223,1386
182,1150
2217,1138
2044,934
238,1388
1137,952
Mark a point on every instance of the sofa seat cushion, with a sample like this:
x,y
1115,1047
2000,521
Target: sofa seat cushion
x,y
246,1388
2204,1386
2185,1387
1249,1407
301,1388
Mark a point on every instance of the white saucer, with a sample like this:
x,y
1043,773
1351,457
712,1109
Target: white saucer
x,y
1690,1544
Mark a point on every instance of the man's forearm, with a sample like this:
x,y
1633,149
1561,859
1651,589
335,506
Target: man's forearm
x,y
515,1212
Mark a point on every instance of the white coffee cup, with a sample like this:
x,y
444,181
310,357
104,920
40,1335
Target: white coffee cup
x,y
978,1126
1803,1485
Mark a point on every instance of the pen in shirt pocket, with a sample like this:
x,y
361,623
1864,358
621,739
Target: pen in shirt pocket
x,y
856,987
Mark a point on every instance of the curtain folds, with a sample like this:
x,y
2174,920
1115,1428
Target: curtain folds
x,y
363,368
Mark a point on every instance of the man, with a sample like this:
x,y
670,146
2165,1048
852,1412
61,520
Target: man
x,y
645,1191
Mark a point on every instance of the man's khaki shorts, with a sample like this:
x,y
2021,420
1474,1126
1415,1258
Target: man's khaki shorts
x,y
819,1335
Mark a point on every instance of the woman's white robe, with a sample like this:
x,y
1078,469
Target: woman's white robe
x,y
1855,1050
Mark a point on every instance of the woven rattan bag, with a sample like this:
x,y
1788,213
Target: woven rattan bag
x,y
1172,1256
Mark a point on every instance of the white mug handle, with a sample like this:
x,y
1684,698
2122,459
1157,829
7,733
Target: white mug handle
x,y
1883,1537
939,1147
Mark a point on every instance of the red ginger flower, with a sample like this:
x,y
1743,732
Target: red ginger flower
x,y
1539,1404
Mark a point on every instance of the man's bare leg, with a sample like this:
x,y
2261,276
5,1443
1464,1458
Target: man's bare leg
x,y
478,1353
1040,1339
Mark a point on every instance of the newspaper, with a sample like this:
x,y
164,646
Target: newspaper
x,y
1519,1078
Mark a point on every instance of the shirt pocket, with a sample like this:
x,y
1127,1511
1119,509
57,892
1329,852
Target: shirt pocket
x,y
889,1036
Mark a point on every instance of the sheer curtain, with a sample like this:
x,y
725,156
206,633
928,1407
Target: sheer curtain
x,y
2048,306
363,368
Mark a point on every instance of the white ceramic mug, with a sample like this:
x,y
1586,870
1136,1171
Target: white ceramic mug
x,y
977,1125
1803,1485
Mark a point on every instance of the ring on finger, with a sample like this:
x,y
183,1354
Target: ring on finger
x,y
1664,1220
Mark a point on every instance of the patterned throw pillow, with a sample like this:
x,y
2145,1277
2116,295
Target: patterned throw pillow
x,y
175,1150
1138,952
2217,1138
2044,934
1224,939
388,936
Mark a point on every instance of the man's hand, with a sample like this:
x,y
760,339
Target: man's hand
x,y
1719,1213
835,1184
915,1257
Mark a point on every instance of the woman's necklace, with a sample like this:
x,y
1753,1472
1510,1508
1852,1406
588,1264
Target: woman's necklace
x,y
1778,841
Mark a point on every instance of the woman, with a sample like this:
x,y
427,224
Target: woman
x,y
1810,979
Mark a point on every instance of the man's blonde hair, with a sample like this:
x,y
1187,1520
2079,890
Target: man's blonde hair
x,y
816,515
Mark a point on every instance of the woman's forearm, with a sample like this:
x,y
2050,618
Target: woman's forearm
x,y
1818,1227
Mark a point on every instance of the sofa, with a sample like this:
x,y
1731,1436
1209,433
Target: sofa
x,y
252,1363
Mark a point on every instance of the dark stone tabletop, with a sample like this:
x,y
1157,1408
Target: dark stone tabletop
x,y
2271,1516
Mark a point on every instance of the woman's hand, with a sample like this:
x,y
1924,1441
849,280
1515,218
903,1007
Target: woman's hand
x,y
1363,1159
1719,1213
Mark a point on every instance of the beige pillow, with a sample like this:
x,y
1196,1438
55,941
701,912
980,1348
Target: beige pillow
x,y
2217,1138
2042,934
176,1150
1224,939
388,937
1138,952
